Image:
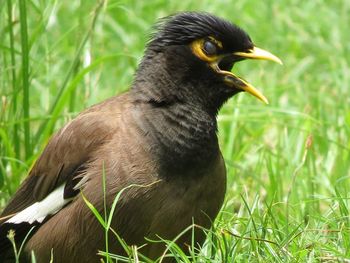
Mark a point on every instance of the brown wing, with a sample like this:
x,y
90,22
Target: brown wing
x,y
62,161
66,154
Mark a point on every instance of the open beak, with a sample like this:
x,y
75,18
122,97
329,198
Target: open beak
x,y
236,82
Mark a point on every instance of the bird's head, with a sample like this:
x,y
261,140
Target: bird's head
x,y
198,51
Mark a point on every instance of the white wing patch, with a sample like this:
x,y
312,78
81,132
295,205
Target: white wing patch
x,y
38,211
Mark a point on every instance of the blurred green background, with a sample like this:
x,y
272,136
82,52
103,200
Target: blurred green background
x,y
288,163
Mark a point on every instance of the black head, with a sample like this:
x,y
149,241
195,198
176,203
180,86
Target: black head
x,y
184,28
189,58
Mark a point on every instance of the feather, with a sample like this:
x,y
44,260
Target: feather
x,y
38,211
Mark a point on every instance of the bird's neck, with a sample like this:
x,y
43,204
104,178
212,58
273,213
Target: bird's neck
x,y
183,127
183,137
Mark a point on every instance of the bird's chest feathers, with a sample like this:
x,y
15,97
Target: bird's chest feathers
x,y
184,201
181,137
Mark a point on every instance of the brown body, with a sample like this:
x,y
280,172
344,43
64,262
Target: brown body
x,y
160,205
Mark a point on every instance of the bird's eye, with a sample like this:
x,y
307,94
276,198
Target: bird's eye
x,y
209,48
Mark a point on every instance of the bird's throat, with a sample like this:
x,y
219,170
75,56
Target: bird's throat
x,y
181,136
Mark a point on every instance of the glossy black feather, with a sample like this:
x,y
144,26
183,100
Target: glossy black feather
x,y
183,28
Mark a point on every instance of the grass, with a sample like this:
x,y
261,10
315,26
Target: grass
x,y
288,163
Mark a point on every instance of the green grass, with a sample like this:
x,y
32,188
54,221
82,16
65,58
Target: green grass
x,y
288,163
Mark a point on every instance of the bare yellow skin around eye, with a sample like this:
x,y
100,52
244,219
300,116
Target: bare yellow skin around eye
x,y
197,49
217,42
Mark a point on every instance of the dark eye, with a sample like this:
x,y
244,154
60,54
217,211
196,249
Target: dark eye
x,y
209,48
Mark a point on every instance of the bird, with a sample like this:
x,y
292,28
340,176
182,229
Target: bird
x,y
151,151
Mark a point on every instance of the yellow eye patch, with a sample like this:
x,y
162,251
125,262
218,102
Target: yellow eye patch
x,y
217,42
197,47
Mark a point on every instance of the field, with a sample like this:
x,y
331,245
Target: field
x,y
288,162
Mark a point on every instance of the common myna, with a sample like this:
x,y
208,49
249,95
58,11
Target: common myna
x,y
160,137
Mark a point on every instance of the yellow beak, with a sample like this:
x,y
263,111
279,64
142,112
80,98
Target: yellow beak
x,y
235,81
258,53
